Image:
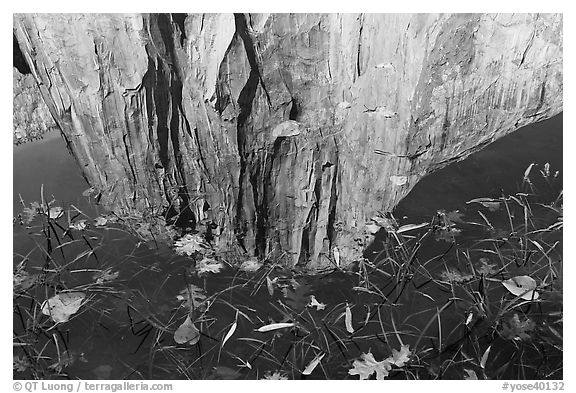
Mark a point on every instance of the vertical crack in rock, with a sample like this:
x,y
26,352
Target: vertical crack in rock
x,y
245,100
359,52
167,96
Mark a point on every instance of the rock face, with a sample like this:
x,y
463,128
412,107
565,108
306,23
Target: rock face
x,y
31,117
286,133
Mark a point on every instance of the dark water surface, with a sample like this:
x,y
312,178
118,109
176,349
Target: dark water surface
x,y
125,329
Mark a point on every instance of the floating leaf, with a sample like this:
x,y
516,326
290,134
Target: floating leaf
x,y
491,204
192,296
399,358
100,221
20,364
411,227
79,225
336,254
389,224
251,265
348,319
455,216
314,303
312,365
187,333
486,268
230,333
55,212
485,357
61,306
276,375
515,329
190,244
447,234
522,286
368,366
527,172
455,276
29,213
270,286
66,359
23,281
208,265
275,326
105,275
471,375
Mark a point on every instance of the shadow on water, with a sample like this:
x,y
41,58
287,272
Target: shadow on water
x,y
436,290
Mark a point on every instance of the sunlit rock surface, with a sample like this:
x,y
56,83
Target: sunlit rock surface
x,y
171,111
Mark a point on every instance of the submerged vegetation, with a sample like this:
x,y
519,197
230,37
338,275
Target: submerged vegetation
x,y
472,294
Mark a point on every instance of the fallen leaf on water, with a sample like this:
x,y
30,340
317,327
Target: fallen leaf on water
x,y
522,286
411,227
336,254
79,225
190,244
61,306
527,172
471,375
491,204
455,216
56,212
208,265
192,296
100,221
275,326
30,212
399,358
105,275
20,364
312,365
348,319
368,366
485,357
270,286
187,333
230,333
251,265
315,303
515,329
276,375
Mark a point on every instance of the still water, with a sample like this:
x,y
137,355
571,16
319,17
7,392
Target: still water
x,y
125,329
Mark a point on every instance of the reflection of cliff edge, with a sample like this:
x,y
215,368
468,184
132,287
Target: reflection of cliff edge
x,y
166,111
31,117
